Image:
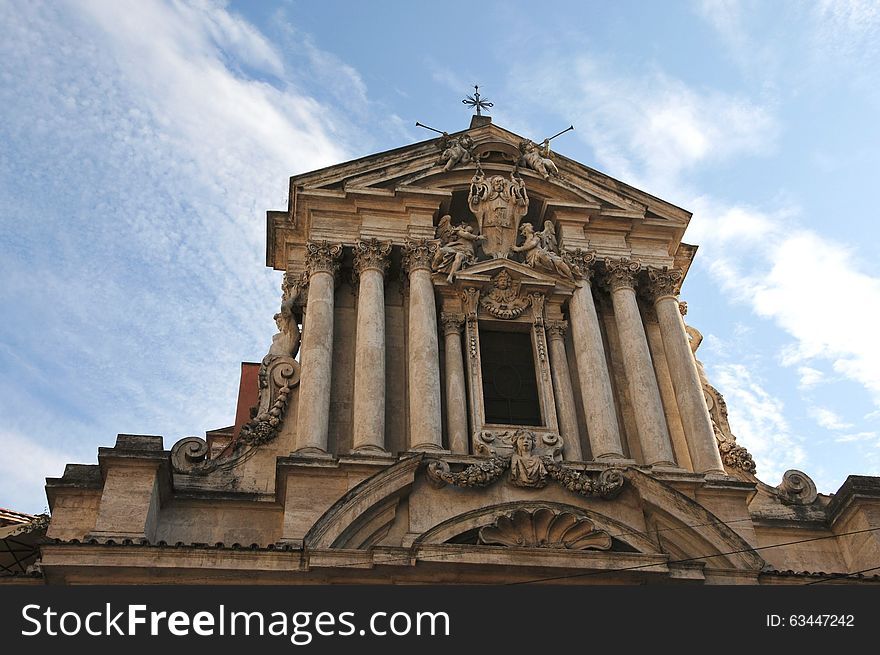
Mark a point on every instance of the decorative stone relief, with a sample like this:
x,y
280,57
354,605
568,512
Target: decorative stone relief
x,y
457,248
526,467
504,301
371,254
323,256
621,273
797,488
529,471
499,205
418,254
732,454
538,255
537,158
663,282
504,443
455,150
545,528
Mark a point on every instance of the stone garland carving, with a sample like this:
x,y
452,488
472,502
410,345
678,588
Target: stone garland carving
x,y
418,254
455,150
664,282
499,206
457,248
581,262
537,158
529,472
797,488
371,254
606,484
504,301
621,273
475,475
539,250
732,454
545,528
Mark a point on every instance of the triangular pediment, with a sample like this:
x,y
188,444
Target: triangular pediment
x,y
487,270
423,167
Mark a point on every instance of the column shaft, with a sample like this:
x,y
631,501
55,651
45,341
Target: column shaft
x,y
644,392
565,409
423,370
595,382
456,398
688,390
369,366
316,359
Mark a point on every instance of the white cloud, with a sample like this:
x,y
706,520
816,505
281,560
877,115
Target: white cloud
x,y
858,436
648,130
143,143
757,419
24,466
809,377
828,419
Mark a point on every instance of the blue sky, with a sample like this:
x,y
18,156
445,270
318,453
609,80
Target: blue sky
x,y
142,142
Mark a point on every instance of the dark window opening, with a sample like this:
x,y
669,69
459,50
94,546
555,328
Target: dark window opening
x,y
510,391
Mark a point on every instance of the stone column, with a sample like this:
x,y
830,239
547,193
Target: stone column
x,y
644,393
456,400
423,356
685,380
370,265
589,350
565,410
316,351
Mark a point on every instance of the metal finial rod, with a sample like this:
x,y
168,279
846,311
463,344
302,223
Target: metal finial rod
x,y
429,128
476,101
570,127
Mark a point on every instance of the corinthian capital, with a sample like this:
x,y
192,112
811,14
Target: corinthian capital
x,y
580,262
621,273
371,254
323,257
451,322
663,282
556,329
418,253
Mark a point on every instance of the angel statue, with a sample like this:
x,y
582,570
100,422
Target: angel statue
x,y
455,150
457,247
537,256
538,158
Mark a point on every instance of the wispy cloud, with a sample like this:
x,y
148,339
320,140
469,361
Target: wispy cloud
x,y
828,419
143,143
757,418
809,377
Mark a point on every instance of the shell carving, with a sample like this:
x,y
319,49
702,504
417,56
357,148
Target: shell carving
x,y
545,528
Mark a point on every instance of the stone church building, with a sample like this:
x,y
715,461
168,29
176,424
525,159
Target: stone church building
x,y
482,373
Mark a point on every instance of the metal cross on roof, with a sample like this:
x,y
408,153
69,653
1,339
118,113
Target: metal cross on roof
x,y
476,101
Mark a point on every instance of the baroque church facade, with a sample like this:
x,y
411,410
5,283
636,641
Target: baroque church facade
x,y
482,374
